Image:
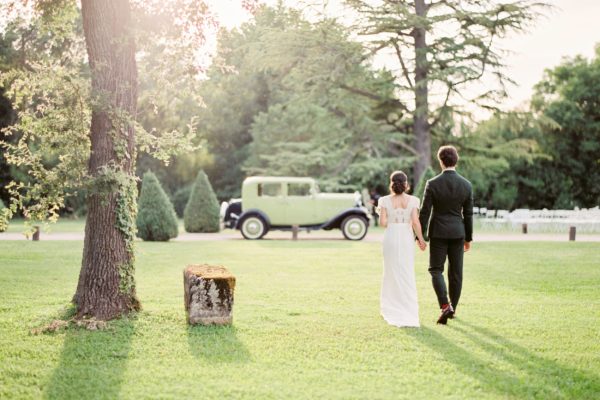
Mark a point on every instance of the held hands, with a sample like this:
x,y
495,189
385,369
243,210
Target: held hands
x,y
422,244
467,246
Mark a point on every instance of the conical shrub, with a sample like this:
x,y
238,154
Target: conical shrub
x,y
201,212
156,219
420,188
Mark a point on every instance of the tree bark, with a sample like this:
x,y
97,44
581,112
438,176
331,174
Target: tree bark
x,y
421,128
106,287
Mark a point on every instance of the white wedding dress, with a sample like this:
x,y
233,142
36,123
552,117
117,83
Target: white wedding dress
x,y
399,306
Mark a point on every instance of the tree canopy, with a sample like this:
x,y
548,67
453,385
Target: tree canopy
x,y
441,47
546,158
303,101
569,94
290,95
76,128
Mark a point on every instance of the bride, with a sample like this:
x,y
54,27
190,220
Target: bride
x,y
399,214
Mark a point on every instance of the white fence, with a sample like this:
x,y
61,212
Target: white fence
x,y
585,220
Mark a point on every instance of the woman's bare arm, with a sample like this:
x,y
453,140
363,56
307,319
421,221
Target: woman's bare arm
x,y
382,216
416,225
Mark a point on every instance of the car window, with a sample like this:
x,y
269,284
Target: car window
x,y
299,189
269,189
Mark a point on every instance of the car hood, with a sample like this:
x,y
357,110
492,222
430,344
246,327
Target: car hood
x,y
346,200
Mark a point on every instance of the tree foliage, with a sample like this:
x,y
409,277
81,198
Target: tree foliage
x,y
569,94
501,157
156,219
48,85
49,90
180,199
201,213
296,105
419,189
547,158
72,136
441,47
3,221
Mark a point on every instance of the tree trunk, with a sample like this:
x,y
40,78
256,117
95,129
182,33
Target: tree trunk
x,y
106,287
422,141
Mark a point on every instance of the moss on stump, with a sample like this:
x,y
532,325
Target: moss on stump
x,y
208,294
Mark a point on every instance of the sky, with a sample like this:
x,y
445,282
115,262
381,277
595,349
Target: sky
x,y
572,27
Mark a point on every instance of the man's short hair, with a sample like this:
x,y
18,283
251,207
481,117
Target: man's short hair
x,y
448,155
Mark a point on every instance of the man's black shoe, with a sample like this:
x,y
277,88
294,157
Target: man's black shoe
x,y
447,312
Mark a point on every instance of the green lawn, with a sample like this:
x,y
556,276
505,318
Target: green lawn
x,y
306,325
77,225
64,225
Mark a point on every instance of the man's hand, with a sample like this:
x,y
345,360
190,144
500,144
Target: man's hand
x,y
467,246
422,244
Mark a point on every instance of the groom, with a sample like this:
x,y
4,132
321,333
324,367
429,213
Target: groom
x,y
447,220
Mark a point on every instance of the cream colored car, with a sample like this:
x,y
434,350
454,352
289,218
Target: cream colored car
x,y
279,203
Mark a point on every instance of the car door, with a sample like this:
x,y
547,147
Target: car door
x,y
272,201
301,204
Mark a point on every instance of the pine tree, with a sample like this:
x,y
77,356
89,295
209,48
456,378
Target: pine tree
x,y
201,213
156,219
442,47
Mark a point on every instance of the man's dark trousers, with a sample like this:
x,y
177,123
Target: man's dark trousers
x,y
447,219
453,249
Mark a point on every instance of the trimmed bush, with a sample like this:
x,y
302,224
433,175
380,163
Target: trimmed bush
x,y
156,220
180,199
420,188
201,213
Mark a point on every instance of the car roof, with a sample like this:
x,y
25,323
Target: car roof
x,y
277,179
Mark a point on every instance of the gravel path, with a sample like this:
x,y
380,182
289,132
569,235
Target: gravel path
x,y
323,235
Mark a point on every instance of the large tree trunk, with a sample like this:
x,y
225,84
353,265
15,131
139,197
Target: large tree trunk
x,y
422,140
106,287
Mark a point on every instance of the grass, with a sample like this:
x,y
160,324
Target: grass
x,y
306,325
64,225
77,225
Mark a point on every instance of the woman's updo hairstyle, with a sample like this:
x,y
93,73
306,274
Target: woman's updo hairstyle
x,y
398,182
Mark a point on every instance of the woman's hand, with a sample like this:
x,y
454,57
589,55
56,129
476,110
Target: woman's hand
x,y
422,244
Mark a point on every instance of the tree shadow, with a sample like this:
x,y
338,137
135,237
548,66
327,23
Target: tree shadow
x,y
537,377
92,363
217,344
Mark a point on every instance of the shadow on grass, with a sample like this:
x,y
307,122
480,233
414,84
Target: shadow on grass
x,y
529,375
217,344
92,363
308,243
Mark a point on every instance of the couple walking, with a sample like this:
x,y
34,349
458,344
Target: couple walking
x,y
445,220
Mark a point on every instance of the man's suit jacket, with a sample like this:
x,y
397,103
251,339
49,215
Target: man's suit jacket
x,y
447,207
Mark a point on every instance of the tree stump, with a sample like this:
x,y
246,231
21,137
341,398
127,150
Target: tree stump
x,y
208,294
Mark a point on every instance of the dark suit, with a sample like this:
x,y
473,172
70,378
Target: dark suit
x,y
447,220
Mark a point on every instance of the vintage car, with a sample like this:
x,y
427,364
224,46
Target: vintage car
x,y
282,203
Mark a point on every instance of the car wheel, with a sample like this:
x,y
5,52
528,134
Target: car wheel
x,y
253,227
354,227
